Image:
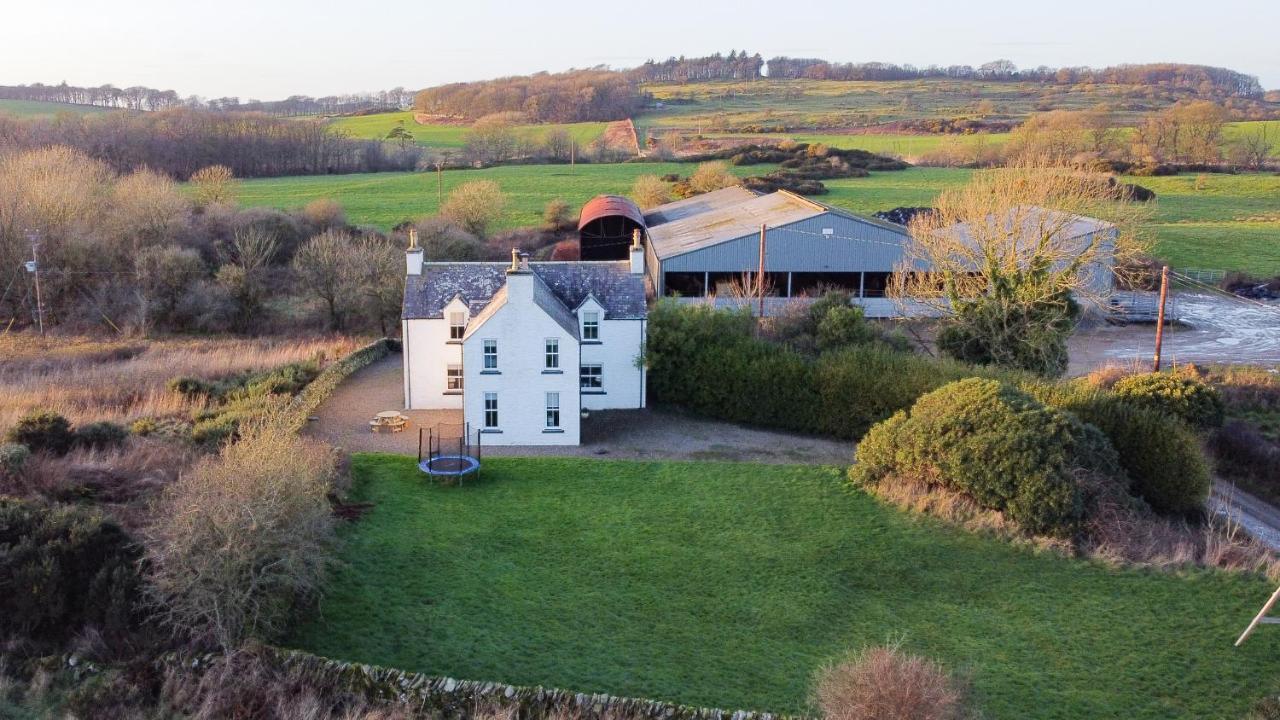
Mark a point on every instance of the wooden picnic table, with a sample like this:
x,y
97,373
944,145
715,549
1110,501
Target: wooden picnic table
x,y
388,420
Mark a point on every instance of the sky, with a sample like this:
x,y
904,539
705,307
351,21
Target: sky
x,y
269,49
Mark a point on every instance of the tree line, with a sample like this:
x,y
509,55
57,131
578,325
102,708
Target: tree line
x,y
180,141
734,66
573,96
1202,78
145,99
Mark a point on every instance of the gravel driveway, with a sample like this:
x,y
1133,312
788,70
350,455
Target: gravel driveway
x,y
343,420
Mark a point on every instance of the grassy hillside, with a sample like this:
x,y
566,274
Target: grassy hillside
x,y
730,584
36,108
1229,222
449,137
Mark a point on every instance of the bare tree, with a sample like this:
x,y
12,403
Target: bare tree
x,y
710,176
214,185
650,191
477,206
1002,262
1252,149
323,267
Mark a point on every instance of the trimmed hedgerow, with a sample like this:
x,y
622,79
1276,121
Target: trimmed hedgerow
x,y
993,443
1190,399
62,568
43,431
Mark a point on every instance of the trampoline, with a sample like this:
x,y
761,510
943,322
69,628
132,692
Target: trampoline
x,y
450,455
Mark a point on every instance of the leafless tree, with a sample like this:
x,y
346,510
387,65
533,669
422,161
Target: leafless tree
x,y
650,191
476,206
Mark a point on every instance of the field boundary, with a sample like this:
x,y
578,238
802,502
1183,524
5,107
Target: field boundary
x,y
451,697
302,406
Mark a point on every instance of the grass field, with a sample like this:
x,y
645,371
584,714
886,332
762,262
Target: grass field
x,y
730,584
37,108
450,137
384,199
1230,222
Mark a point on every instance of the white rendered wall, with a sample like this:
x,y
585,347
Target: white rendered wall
x,y
621,342
521,381
427,355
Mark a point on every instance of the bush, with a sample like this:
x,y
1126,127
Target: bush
x,y
842,326
42,431
63,568
143,427
100,435
220,574
13,456
993,443
1244,453
193,387
1159,453
1188,398
884,683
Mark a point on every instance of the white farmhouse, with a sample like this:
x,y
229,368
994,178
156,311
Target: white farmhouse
x,y
523,349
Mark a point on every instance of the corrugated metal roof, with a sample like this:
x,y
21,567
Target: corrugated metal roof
x,y
698,204
727,218
1035,222
609,205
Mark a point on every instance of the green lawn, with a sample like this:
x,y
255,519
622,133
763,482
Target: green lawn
x,y
37,108
450,137
729,584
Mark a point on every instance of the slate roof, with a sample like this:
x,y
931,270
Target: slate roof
x,y
568,283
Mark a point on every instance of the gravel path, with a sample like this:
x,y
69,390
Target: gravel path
x,y
343,420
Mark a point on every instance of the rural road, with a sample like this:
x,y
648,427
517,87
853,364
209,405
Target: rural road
x,y
1258,518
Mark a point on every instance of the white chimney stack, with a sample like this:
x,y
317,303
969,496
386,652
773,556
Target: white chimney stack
x,y
413,255
519,278
637,253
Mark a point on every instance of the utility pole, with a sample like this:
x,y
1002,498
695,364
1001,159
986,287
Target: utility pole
x,y
439,184
1164,295
34,267
573,145
760,274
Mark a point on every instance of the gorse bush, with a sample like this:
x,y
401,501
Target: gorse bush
x,y
993,443
100,435
1159,453
1183,396
242,539
42,431
63,568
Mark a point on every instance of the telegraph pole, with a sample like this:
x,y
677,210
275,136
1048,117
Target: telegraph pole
x,y
760,274
1164,295
34,267
439,184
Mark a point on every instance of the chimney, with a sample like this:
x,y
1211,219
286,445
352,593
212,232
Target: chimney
x,y
519,278
413,255
637,253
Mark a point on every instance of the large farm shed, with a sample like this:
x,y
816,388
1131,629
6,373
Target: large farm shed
x,y
701,246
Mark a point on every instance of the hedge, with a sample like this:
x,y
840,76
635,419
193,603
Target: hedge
x,y
1192,400
994,443
452,698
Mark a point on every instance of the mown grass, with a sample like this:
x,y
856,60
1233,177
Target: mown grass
x,y
41,109
730,584
451,137
1228,222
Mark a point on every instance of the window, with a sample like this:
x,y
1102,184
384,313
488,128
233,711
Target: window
x,y
553,353
591,326
491,410
590,377
457,325
553,410
490,354
453,377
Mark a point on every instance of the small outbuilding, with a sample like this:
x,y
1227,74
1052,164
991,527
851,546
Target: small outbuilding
x,y
606,225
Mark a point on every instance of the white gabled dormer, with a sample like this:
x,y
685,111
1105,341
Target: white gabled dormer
x,y
590,321
457,314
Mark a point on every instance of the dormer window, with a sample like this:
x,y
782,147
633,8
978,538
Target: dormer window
x,y
457,325
590,326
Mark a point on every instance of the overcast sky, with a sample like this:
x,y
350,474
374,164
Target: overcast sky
x,y
268,49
